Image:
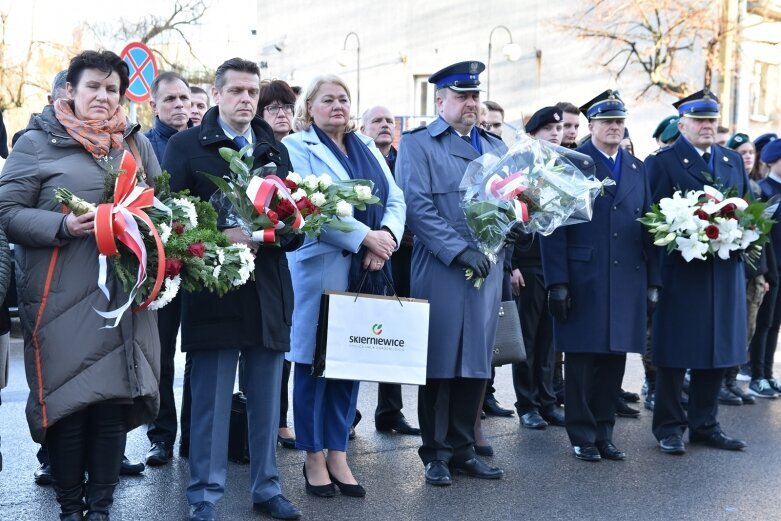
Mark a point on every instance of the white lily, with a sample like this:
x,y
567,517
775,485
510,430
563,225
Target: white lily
x,y
691,248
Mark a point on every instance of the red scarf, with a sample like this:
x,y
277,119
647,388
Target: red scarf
x,y
98,136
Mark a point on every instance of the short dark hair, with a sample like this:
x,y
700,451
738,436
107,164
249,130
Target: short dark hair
x,y
234,64
492,105
104,61
165,77
276,90
194,89
722,130
567,107
58,84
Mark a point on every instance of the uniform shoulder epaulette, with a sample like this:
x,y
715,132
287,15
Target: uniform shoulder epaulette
x,y
412,131
660,150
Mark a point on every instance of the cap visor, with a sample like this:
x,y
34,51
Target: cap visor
x,y
702,115
466,89
610,115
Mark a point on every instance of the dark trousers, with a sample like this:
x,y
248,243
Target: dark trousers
x,y
446,412
533,378
323,410
389,405
92,439
163,429
762,348
592,386
187,400
648,366
670,418
283,401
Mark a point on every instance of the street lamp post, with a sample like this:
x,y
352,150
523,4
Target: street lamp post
x,y
357,69
512,51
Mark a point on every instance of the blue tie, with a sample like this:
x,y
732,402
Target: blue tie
x,y
241,141
612,162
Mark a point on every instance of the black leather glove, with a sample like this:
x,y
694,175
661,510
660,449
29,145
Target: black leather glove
x,y
515,234
653,298
479,263
559,302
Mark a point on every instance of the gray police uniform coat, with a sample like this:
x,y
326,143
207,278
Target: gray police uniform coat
x,y
462,327
700,321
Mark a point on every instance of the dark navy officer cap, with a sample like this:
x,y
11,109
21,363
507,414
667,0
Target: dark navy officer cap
x,y
605,106
771,152
763,140
460,77
703,105
543,117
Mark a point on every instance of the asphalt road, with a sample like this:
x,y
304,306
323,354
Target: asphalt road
x,y
543,481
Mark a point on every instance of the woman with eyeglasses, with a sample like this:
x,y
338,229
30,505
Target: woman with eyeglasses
x,y
275,106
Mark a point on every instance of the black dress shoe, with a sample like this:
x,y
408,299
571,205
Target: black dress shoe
x,y
278,507
623,410
717,440
492,407
484,450
400,427
97,516
287,443
130,469
672,445
629,397
75,516
746,398
727,398
346,489
586,453
475,468
533,420
327,490
609,451
437,473
43,476
554,417
203,511
160,454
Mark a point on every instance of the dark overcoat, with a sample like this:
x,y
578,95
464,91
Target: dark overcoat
x,y
462,327
607,264
700,321
258,314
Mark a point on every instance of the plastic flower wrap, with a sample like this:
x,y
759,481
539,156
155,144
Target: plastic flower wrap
x,y
267,207
707,222
534,185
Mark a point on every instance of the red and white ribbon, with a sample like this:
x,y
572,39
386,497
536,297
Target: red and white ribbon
x,y
261,191
509,188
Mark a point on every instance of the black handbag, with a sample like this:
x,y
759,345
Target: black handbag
x,y
508,346
238,435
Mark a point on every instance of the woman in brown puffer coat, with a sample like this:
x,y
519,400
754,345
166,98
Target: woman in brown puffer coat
x,y
89,384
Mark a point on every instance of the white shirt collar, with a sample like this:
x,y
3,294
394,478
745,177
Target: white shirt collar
x,y
775,177
232,133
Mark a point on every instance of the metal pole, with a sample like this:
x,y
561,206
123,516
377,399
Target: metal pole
x,y
357,68
132,113
488,65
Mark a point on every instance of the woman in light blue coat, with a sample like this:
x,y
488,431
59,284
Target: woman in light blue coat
x,y
325,144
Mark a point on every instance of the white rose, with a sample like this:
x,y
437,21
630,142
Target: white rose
x,y
298,195
325,181
294,177
317,199
364,193
344,209
311,182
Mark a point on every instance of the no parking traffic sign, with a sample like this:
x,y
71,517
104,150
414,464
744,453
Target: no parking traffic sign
x,y
143,70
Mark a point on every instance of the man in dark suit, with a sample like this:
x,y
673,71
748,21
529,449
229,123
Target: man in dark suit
x,y
379,124
595,272
253,320
708,336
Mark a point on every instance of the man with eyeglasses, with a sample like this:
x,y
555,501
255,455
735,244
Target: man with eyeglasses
x,y
494,118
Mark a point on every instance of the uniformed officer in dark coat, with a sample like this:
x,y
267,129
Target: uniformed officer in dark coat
x,y
462,328
701,319
599,276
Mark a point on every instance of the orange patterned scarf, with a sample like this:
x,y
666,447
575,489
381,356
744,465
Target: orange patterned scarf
x,y
97,136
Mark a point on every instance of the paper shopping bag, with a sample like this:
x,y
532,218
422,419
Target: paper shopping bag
x,y
372,338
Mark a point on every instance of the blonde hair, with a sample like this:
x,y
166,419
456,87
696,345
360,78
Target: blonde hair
x,y
302,120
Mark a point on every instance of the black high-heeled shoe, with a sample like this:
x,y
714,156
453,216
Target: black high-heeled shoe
x,y
287,443
328,490
348,490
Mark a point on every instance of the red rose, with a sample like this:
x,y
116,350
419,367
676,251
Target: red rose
x,y
196,249
712,232
290,184
728,208
178,228
173,267
306,206
285,209
272,215
702,215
